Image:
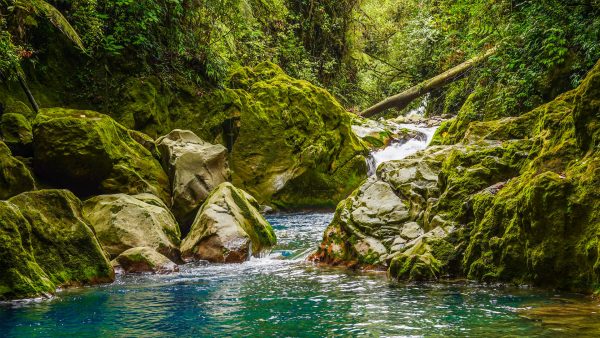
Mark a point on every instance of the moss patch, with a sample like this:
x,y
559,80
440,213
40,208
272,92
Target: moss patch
x,y
90,153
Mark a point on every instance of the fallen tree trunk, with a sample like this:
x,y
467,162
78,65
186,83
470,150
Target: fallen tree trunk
x,y
403,99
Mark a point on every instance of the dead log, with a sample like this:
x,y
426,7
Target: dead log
x,y
403,99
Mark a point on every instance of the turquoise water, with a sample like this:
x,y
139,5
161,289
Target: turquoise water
x,y
282,295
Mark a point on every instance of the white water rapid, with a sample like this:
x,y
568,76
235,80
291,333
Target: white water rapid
x,y
399,150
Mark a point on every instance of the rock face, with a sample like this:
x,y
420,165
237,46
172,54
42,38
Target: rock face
x,y
379,134
228,228
389,214
143,259
45,243
15,178
515,200
123,222
195,168
290,143
15,130
90,153
294,145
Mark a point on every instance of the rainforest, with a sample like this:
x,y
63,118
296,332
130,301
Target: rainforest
x,y
299,168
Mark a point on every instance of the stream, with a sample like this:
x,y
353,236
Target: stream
x,y
284,295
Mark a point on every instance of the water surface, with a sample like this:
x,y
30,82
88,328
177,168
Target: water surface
x,y
283,295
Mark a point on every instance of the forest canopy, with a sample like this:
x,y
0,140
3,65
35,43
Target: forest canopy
x,y
360,50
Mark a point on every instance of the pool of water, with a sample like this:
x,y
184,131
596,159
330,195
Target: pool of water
x,y
283,295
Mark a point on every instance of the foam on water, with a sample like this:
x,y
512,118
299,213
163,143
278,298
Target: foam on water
x,y
399,150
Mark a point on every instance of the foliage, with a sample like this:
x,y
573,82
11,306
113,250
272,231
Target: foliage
x,y
15,17
545,48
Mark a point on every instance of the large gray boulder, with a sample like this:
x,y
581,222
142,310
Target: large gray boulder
x,y
123,222
143,259
228,228
389,214
195,168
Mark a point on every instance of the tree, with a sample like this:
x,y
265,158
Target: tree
x,y
401,100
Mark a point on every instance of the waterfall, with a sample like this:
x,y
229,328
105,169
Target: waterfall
x,y
399,150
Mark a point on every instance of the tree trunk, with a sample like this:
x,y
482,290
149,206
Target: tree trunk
x,y
403,99
25,88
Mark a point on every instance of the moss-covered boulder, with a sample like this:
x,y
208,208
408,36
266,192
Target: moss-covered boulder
x,y
543,226
290,142
15,177
294,145
228,228
46,243
389,214
90,153
143,259
123,222
195,168
21,275
15,131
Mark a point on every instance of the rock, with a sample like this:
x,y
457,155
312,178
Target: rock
x,y
15,178
291,142
145,141
143,259
123,222
228,228
90,153
385,213
46,243
195,168
512,200
12,106
21,275
15,131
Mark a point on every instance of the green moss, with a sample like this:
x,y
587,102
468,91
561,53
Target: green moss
x,y
90,153
45,244
63,245
15,131
291,132
15,178
543,226
21,276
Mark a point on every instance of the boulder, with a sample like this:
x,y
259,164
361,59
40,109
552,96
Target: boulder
x,y
195,168
384,214
228,228
46,243
15,131
143,259
90,154
21,275
15,178
123,222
